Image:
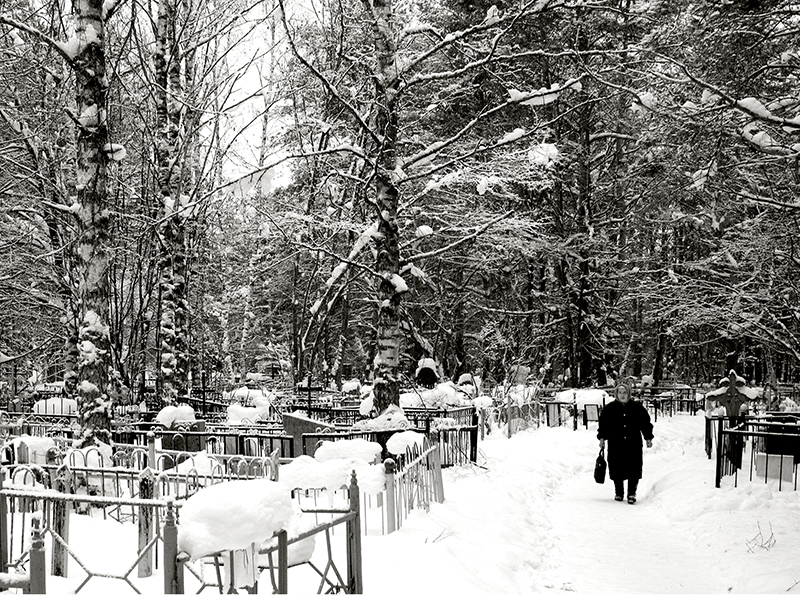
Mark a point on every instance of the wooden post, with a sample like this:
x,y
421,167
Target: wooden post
x,y
354,572
38,572
3,526
59,559
438,478
391,510
173,571
473,439
283,562
146,492
508,416
718,473
151,450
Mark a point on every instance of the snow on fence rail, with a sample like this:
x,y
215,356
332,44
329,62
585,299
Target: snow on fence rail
x,y
758,449
35,521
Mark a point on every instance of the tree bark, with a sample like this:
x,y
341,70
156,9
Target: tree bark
x,y
94,216
386,377
169,114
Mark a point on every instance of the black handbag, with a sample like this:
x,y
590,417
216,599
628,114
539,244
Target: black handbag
x,y
600,467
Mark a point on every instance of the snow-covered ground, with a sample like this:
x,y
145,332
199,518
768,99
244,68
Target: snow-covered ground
x,y
529,518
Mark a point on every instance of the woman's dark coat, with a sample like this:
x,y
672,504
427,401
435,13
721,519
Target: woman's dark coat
x,y
623,426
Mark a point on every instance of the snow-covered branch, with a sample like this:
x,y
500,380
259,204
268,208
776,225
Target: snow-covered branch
x,y
458,242
59,47
328,85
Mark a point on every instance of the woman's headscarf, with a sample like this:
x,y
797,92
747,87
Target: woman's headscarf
x,y
627,386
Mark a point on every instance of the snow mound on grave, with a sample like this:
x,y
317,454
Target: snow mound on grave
x,y
232,515
37,447
169,415
305,472
401,441
392,418
353,385
55,406
200,462
98,455
361,449
584,397
444,394
238,413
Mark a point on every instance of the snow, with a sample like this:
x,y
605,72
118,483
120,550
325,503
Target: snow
x,y
362,449
353,385
399,284
391,418
403,440
169,415
202,463
55,406
233,515
37,447
754,106
116,152
512,136
306,472
532,520
527,518
543,154
583,397
238,414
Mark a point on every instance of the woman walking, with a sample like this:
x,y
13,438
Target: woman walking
x,y
623,424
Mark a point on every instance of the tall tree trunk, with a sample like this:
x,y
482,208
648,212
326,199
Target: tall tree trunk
x,y
386,376
94,215
169,114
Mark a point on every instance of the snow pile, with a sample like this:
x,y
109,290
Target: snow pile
x,y
37,447
583,397
361,449
353,385
443,395
392,418
55,406
169,415
98,455
202,463
483,401
305,472
233,515
401,441
237,413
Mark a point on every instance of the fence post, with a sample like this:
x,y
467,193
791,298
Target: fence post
x,y
274,463
61,508
3,526
718,473
283,562
437,473
38,572
473,439
391,510
147,484
173,571
354,574
151,450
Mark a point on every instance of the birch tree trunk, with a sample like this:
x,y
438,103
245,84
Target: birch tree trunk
x,y
94,216
386,375
169,114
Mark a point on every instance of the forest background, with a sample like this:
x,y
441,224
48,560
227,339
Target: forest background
x,y
196,190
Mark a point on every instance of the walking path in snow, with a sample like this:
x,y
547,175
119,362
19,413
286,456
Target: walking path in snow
x,y
531,519
604,546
